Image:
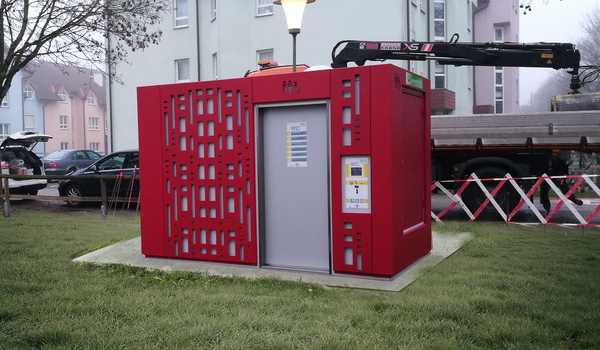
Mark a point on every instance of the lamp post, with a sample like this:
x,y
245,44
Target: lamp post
x,y
294,9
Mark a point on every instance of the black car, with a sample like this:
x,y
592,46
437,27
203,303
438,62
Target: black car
x,y
123,162
67,161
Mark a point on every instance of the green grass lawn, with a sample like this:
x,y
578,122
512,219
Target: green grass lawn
x,y
511,287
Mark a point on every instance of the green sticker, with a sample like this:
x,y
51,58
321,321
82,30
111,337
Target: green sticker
x,y
414,80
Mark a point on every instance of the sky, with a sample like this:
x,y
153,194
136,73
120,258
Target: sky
x,y
549,21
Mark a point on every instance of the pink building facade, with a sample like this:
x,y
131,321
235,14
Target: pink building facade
x,y
496,88
77,122
74,107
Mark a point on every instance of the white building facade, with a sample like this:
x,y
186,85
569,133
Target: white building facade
x,y
217,39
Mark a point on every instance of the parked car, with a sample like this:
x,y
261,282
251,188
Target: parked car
x,y
17,158
66,161
123,162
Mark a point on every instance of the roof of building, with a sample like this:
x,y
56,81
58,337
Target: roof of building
x,y
48,79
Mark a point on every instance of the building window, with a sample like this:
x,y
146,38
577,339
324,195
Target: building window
x,y
93,124
64,145
264,7
416,67
63,96
440,76
91,99
29,121
213,8
215,66
181,13
498,34
182,68
469,15
439,20
95,146
5,101
28,92
4,131
499,89
64,122
264,55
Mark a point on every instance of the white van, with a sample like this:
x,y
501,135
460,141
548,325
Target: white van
x,y
17,158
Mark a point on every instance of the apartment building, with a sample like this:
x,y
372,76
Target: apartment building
x,y
212,39
215,39
65,102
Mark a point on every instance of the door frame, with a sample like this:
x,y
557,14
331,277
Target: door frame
x,y
259,175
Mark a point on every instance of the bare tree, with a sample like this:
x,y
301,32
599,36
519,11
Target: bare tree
x,y
526,4
556,84
72,31
589,46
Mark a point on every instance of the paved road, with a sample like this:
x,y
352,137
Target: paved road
x,y
50,190
51,206
438,203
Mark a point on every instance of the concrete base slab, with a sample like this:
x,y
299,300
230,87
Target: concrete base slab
x,y
129,253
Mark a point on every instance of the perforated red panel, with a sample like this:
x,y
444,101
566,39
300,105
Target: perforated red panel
x,y
207,161
350,135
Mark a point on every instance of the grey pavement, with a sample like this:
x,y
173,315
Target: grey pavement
x,y
129,253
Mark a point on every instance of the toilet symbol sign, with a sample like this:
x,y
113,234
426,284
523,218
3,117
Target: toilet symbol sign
x,y
356,183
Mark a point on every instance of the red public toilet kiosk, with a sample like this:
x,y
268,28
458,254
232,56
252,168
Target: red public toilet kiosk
x,y
323,171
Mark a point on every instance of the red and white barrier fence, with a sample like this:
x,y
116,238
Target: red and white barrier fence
x,y
507,180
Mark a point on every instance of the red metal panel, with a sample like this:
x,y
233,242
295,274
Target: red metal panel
x,y
351,110
291,87
208,171
382,171
350,105
400,163
352,237
413,239
151,218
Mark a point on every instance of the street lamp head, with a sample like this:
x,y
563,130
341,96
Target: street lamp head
x,y
294,9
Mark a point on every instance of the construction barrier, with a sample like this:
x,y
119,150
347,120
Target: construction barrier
x,y
507,180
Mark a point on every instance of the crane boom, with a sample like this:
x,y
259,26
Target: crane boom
x,y
543,55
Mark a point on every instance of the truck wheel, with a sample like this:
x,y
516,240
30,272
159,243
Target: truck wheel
x,y
74,191
507,197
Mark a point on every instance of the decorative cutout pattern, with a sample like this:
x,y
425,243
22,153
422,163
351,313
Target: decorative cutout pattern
x,y
208,169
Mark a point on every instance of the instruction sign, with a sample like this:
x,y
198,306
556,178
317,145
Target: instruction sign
x,y
356,183
297,145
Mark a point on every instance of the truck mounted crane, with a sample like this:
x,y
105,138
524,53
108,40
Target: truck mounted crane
x,y
499,54
492,145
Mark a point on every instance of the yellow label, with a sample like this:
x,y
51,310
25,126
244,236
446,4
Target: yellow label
x,y
357,183
547,55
